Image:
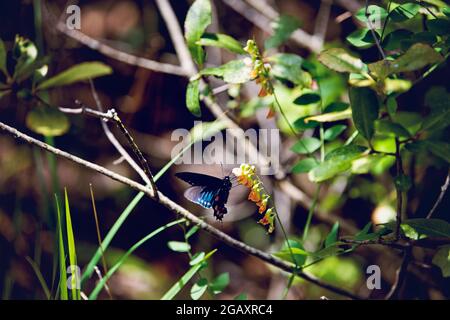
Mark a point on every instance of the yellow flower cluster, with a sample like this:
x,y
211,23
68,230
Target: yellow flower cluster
x,y
260,72
246,176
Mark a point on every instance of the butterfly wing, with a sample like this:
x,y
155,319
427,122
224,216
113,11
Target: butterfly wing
x,y
198,179
203,196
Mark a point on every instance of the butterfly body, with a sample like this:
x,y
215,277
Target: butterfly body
x,y
207,191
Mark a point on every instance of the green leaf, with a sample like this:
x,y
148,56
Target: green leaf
x,y
361,38
204,130
336,107
72,249
235,71
346,153
3,58
79,72
173,291
296,252
391,129
332,237
417,57
179,246
365,106
306,145
220,283
394,39
425,227
288,67
438,98
64,295
439,148
191,232
221,41
301,125
198,257
283,28
339,60
193,97
442,260
327,170
307,98
403,183
304,166
332,133
391,105
330,116
199,288
374,14
48,121
25,52
404,12
197,20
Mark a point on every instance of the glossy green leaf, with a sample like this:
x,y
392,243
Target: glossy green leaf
x,y
193,97
301,125
304,166
283,28
365,105
375,14
442,260
235,71
339,60
220,283
197,20
332,133
307,98
404,12
346,153
394,39
196,258
306,145
328,169
330,116
361,38
80,72
192,231
48,121
221,41
199,288
178,246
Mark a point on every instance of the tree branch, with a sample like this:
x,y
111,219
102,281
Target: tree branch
x,y
176,208
440,197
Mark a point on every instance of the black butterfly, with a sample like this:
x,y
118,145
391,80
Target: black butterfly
x,y
207,191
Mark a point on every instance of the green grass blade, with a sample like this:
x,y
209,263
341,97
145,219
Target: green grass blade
x,y
123,216
173,291
62,257
40,277
94,294
72,250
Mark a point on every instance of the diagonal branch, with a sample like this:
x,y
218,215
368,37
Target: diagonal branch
x,y
176,208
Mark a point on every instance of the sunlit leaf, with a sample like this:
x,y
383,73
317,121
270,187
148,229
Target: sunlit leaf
x,y
193,97
306,145
197,20
339,60
332,133
179,246
220,283
199,288
221,41
48,121
79,72
304,166
330,116
235,71
332,237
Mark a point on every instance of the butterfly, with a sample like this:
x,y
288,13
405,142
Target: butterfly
x,y
207,191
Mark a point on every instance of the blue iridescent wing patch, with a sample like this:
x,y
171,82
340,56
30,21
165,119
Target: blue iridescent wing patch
x,y
201,195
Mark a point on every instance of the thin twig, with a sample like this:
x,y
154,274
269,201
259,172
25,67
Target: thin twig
x,y
440,197
399,173
124,154
111,115
177,209
120,55
372,31
400,276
